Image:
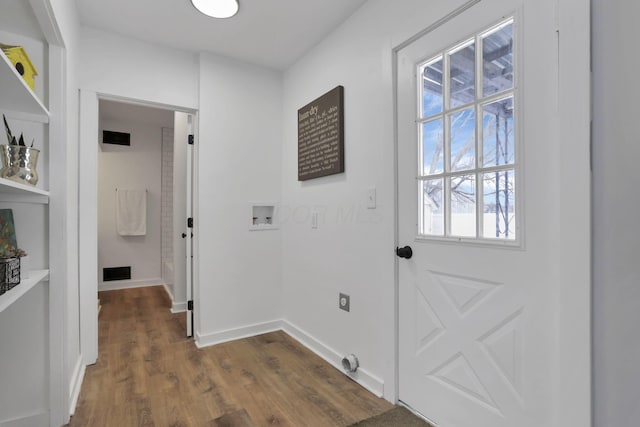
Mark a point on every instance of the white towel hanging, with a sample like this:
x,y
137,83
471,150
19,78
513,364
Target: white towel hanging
x,y
131,212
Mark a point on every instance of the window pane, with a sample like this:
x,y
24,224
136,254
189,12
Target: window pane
x,y
432,98
498,136
432,147
499,205
463,206
497,60
463,140
463,75
432,207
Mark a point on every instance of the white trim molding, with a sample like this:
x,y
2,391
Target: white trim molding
x,y
76,385
39,419
361,376
176,306
167,289
207,340
129,284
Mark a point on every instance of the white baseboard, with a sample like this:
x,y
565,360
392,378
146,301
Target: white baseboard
x,y
128,284
178,307
167,289
76,385
361,376
237,333
34,420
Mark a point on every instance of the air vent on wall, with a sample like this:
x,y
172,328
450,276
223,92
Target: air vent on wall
x,y
117,138
116,273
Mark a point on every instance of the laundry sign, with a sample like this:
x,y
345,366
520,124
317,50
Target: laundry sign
x,y
321,136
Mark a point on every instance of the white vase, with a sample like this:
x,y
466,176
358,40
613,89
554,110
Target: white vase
x,y
24,267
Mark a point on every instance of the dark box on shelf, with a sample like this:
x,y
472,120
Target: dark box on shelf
x,y
9,273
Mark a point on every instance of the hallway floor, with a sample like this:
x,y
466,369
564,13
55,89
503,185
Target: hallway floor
x,y
149,374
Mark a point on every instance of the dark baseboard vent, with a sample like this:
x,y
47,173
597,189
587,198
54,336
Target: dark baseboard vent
x,y
117,138
116,273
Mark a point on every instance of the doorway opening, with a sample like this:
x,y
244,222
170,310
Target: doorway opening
x,y
135,198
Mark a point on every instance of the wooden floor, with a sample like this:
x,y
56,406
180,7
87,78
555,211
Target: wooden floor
x,y
149,374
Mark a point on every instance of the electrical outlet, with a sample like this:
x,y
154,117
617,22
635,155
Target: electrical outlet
x,y
344,303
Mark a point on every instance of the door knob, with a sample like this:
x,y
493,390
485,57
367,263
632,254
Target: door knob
x,y
184,235
405,252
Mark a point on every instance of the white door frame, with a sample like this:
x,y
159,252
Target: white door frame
x,y
190,231
572,390
88,213
88,226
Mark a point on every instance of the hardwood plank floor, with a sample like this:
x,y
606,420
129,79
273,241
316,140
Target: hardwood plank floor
x,y
149,374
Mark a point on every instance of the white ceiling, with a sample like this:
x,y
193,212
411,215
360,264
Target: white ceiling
x,y
272,33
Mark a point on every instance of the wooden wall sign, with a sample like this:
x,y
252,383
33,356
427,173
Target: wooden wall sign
x,y
321,136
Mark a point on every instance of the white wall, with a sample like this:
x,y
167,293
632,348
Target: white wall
x,y
125,67
134,167
238,153
616,235
352,251
166,213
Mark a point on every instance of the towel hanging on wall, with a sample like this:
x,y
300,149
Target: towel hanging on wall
x,y
131,212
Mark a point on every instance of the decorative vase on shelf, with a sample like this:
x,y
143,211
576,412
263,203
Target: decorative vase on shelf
x,y
19,163
18,160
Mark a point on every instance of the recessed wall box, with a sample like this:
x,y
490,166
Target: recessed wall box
x,y
262,216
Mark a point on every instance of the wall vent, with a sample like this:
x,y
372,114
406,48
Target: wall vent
x,y
116,273
117,138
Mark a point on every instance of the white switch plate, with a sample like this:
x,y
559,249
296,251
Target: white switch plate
x,y
314,219
371,198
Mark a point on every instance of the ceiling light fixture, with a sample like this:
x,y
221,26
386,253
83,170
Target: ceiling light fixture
x,y
217,8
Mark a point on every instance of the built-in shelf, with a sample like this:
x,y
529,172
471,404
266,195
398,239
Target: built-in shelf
x,y
14,294
11,191
16,94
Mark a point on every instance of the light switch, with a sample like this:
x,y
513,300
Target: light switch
x,y
314,219
371,198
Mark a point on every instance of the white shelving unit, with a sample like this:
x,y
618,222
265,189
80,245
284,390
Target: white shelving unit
x,y
12,191
17,97
32,313
13,295
16,94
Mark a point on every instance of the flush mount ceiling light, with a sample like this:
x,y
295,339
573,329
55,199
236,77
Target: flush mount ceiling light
x,y
217,8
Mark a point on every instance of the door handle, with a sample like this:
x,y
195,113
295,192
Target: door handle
x,y
184,235
405,252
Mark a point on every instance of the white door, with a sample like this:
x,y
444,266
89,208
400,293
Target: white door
x,y
477,130
189,234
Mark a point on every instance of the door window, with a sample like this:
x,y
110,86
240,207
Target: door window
x,y
467,139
